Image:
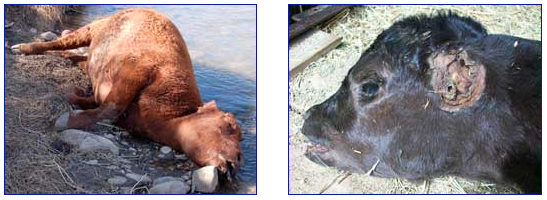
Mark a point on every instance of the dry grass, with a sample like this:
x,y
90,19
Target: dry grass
x,y
358,28
41,17
32,103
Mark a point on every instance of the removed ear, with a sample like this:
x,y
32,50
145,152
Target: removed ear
x,y
458,79
208,106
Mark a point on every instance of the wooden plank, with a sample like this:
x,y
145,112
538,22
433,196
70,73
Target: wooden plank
x,y
308,13
309,47
300,27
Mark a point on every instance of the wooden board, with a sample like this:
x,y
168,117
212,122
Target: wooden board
x,y
324,14
309,47
308,13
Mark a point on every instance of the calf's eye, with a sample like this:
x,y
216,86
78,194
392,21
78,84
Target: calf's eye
x,y
369,90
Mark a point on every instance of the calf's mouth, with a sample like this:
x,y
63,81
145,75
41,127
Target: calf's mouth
x,y
319,154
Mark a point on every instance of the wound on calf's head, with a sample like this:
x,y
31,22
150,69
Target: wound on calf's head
x,y
457,79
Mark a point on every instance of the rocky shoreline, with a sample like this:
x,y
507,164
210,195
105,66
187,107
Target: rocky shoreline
x,y
136,166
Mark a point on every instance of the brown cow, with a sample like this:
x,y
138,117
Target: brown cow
x,y
142,78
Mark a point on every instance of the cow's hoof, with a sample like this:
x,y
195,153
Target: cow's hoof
x,y
16,49
62,121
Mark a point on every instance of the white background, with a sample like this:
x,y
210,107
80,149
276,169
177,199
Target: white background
x,y
272,110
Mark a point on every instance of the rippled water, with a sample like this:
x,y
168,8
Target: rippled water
x,y
222,44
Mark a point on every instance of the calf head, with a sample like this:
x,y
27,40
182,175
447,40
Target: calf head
x,y
211,137
422,101
384,111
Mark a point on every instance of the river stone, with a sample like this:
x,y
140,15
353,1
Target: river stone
x,y
92,162
124,134
165,149
205,179
117,180
123,160
186,176
138,177
126,190
48,36
110,136
181,157
170,187
164,179
88,142
112,167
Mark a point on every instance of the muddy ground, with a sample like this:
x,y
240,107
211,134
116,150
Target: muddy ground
x,y
35,160
358,28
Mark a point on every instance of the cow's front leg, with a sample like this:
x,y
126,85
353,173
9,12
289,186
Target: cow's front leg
x,y
127,84
82,119
77,96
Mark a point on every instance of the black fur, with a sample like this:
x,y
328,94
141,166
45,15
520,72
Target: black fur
x,y
497,138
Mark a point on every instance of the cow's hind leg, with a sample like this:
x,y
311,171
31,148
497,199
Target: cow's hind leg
x,y
74,57
78,59
78,38
127,84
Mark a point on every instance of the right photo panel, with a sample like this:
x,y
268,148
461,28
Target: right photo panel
x,y
414,99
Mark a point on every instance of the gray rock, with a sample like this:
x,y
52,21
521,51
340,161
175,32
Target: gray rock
x,y
124,133
170,187
181,157
126,190
165,179
205,179
138,177
8,24
187,176
49,36
123,160
165,149
110,136
117,180
112,167
62,122
92,162
33,30
88,142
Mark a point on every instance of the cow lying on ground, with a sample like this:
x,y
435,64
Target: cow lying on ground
x,y
436,96
143,79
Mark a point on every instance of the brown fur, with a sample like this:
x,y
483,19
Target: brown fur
x,y
142,77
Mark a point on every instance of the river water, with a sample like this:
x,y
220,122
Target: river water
x,y
222,43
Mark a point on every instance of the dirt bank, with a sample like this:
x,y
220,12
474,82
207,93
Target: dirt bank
x,y
32,102
322,78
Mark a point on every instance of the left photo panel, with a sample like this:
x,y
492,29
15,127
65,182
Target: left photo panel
x,y
130,99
